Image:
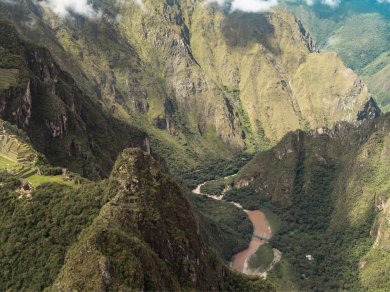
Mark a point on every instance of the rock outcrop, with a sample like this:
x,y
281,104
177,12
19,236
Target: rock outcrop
x,y
138,243
199,79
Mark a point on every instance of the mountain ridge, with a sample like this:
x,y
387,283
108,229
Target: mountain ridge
x,y
166,93
139,97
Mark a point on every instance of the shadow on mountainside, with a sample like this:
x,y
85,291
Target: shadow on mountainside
x,y
243,29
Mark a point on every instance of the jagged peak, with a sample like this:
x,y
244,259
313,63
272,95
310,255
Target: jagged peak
x,y
370,111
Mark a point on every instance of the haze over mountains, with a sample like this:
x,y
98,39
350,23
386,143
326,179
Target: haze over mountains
x,y
359,32
201,87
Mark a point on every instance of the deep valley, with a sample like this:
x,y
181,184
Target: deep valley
x,y
170,145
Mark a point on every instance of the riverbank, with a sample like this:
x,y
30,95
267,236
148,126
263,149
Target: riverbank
x,y
261,229
262,232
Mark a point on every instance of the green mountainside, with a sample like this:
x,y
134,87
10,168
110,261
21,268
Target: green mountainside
x,y
330,188
61,120
107,122
198,82
358,30
116,234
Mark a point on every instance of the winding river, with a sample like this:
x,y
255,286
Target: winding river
x,y
260,226
261,231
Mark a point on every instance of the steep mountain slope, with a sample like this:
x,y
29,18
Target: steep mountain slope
x,y
269,73
358,31
61,120
115,234
192,83
327,186
201,83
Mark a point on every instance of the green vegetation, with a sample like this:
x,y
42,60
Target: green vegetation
x,y
247,197
8,78
6,163
353,22
227,228
195,96
110,87
125,239
324,189
37,180
283,277
36,235
62,234
273,221
238,282
262,258
214,169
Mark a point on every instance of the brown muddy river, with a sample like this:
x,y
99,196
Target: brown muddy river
x,y
261,227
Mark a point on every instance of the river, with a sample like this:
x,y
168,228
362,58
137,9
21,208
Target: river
x,y
261,228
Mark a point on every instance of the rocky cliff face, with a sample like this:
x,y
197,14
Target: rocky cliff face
x,y
133,231
137,242
61,120
198,80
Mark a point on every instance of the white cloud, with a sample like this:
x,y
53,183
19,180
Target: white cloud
x,y
331,3
247,5
336,3
140,3
63,7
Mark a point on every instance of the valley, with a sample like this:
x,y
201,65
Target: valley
x,y
358,31
261,233
194,145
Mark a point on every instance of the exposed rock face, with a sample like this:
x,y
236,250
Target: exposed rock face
x,y
60,119
195,72
371,111
137,242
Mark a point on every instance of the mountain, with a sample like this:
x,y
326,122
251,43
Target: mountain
x,y
111,111
330,188
62,121
116,234
358,31
154,69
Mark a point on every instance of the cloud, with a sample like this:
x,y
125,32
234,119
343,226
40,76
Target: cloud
x,y
140,3
336,3
64,7
246,5
331,3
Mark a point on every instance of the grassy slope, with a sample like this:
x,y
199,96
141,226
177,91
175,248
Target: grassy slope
x,y
4,162
326,198
358,31
227,228
266,72
140,243
246,71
